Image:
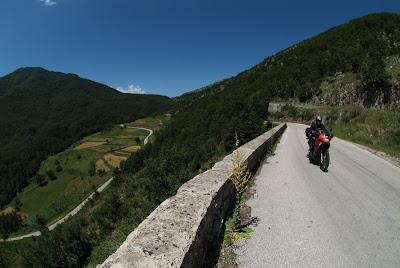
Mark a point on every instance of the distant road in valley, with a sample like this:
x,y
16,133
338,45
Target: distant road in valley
x,y
60,221
81,205
146,140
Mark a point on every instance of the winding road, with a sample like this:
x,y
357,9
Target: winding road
x,y
146,140
80,206
347,217
60,221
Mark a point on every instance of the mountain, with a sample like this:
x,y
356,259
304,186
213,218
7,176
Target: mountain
x,y
354,63
205,123
207,120
43,112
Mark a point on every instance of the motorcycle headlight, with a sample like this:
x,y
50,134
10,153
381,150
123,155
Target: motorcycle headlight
x,y
325,140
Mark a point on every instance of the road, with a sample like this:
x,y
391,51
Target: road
x,y
347,217
146,140
80,206
60,221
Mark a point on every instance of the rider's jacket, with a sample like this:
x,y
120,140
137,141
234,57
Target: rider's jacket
x,y
313,129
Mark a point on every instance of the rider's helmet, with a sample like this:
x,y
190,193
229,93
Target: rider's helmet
x,y
318,121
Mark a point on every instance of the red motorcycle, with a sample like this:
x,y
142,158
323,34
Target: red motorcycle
x,y
321,141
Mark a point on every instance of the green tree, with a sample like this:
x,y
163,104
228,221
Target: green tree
x,y
40,180
101,172
41,221
373,71
59,168
137,140
51,175
92,169
18,204
9,223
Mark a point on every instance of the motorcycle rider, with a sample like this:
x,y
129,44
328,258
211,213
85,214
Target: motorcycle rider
x,y
312,132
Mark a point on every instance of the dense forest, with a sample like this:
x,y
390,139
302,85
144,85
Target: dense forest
x,y
359,47
202,130
44,112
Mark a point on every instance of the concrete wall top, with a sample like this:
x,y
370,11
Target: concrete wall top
x,y
169,234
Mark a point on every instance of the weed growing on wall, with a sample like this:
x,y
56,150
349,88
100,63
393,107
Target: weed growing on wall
x,y
241,175
240,178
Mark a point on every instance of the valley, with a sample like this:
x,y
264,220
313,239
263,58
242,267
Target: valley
x,y
66,178
75,140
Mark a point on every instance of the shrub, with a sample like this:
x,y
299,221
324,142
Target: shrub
x,y
101,172
307,115
290,110
59,168
41,221
137,140
9,223
92,169
40,180
51,175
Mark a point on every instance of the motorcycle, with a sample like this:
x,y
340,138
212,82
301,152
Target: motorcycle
x,y
320,152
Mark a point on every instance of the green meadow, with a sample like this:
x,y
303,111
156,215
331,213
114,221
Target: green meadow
x,y
78,171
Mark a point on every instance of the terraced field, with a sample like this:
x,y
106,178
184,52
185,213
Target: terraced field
x,y
70,176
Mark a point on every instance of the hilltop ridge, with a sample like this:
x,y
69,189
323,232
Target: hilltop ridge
x,y
354,63
348,64
43,112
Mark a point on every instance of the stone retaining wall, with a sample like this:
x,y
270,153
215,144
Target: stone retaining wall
x,y
184,230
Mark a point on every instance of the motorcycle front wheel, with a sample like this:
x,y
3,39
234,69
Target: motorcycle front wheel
x,y
324,160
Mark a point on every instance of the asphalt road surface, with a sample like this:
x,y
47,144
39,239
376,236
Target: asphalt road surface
x,y
347,217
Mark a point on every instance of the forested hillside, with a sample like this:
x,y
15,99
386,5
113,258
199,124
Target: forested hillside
x,y
203,129
366,50
44,112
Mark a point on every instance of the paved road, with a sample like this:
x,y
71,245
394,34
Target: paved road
x,y
348,217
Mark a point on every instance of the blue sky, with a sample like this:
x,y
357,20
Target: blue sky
x,y
164,47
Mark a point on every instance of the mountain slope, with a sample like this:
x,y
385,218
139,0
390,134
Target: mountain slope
x,y
367,48
206,122
43,112
203,129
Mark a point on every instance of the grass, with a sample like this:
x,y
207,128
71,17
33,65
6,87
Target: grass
x,y
227,258
393,67
231,236
374,128
116,134
345,80
241,214
73,183
377,129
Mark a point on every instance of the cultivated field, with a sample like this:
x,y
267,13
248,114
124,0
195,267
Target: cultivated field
x,y
131,149
70,176
101,165
89,144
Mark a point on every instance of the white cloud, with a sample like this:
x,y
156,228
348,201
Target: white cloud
x,y
49,2
132,89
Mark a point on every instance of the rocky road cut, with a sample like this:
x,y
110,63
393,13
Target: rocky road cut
x,y
347,217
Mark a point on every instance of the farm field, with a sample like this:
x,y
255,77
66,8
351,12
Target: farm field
x,y
66,178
